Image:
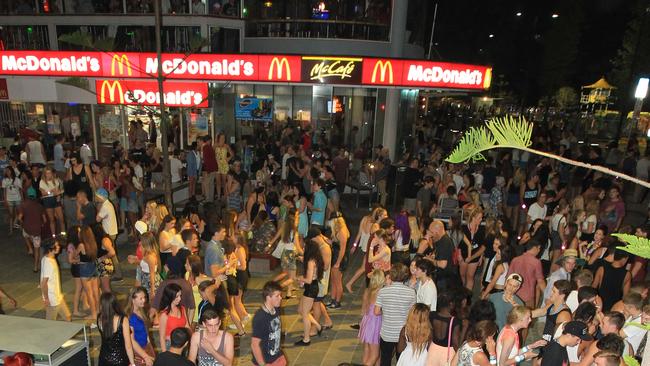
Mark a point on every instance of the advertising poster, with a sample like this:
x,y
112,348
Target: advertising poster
x,y
111,128
256,109
198,126
53,124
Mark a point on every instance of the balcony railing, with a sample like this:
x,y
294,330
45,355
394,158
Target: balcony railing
x,y
311,28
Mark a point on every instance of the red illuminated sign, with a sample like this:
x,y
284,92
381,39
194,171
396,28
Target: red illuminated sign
x,y
413,73
249,68
176,94
279,68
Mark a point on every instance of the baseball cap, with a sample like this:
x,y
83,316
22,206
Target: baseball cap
x,y
141,227
578,329
101,193
515,276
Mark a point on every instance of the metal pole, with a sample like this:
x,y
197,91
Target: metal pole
x,y
635,116
433,28
167,178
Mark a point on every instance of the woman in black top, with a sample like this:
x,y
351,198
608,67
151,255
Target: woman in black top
x,y
471,248
116,349
80,175
612,279
442,321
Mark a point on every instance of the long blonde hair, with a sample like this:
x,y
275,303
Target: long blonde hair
x,y
418,328
519,177
416,234
144,313
338,225
377,281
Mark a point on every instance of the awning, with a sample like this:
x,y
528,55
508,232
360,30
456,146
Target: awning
x,y
600,84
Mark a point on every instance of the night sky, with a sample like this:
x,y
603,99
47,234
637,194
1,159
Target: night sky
x,y
534,52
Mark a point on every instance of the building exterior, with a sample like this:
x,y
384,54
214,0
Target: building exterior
x,y
348,71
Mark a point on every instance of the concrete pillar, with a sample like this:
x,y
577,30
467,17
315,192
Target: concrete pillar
x,y
397,39
391,112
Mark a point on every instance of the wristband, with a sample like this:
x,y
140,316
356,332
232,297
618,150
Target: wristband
x,y
524,349
493,360
519,358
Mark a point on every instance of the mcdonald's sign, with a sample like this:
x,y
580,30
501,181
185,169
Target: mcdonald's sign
x,y
487,78
279,64
383,67
279,68
381,71
121,62
111,86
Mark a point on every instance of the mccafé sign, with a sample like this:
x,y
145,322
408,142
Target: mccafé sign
x,y
176,94
331,70
359,71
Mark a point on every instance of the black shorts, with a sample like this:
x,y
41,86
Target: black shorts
x,y
336,248
242,279
311,290
74,270
51,202
232,285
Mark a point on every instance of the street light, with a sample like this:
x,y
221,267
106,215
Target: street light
x,y
518,14
491,35
640,93
555,15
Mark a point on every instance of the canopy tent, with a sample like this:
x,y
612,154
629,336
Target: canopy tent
x,y
600,84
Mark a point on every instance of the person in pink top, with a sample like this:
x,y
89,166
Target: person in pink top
x,y
530,268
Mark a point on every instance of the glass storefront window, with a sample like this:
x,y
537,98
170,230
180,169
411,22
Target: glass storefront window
x,y
302,105
24,37
142,39
95,32
224,40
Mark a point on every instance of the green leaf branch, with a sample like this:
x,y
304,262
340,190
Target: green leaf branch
x,y
636,245
514,133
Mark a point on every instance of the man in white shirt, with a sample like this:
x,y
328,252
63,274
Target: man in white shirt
x,y
538,210
426,291
53,300
567,263
106,215
633,305
287,155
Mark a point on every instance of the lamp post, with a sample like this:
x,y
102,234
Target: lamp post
x,y
640,94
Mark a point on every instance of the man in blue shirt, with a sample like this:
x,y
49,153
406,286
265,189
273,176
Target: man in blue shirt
x,y
214,255
319,205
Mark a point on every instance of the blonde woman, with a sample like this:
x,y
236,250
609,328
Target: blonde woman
x,y
152,216
166,232
472,248
416,233
150,264
369,224
371,323
508,351
340,238
590,224
224,154
87,251
51,192
417,332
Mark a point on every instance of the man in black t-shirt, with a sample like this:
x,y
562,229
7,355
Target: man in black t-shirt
x,y
174,357
555,353
411,184
443,246
267,330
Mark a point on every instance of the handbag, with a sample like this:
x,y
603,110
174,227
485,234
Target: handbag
x,y
436,356
451,326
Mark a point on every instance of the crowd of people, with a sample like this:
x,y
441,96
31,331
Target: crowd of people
x,y
455,276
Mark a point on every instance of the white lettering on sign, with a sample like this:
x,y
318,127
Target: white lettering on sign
x,y
187,98
437,74
179,66
50,64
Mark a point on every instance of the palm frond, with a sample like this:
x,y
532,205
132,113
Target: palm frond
x,y
635,244
638,325
510,131
105,44
471,145
630,361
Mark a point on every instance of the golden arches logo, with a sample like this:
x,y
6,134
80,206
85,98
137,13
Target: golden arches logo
x,y
382,66
111,86
279,64
487,79
121,62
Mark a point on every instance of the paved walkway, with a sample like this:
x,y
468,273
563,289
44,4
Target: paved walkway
x,y
338,345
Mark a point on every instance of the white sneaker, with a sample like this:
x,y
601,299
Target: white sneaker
x,y
93,325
